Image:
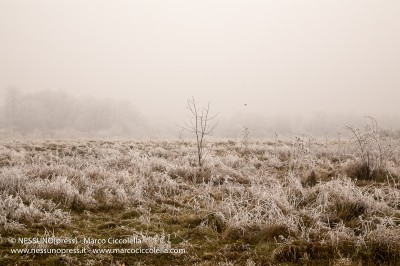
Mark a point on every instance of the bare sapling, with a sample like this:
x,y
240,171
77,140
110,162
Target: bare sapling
x,y
202,124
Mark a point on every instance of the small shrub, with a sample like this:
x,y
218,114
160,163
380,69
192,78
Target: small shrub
x,y
375,147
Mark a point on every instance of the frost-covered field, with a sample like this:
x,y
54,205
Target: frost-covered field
x,y
254,202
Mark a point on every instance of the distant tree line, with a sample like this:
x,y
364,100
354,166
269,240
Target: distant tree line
x,y
57,111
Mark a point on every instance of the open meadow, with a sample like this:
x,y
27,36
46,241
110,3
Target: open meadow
x,y
204,133
253,202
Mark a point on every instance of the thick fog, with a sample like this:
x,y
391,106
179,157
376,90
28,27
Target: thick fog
x,y
126,68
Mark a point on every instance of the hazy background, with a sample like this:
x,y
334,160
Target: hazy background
x,y
127,67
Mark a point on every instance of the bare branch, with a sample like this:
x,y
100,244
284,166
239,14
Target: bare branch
x,y
199,125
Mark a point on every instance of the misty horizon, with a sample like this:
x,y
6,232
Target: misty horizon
x,y
47,111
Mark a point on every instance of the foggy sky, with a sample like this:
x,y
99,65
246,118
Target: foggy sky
x,y
278,57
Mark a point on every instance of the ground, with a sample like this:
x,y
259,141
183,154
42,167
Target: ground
x,y
254,202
